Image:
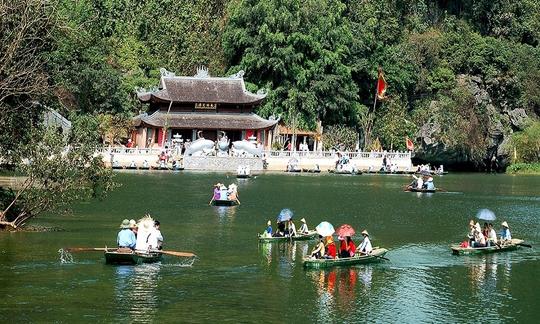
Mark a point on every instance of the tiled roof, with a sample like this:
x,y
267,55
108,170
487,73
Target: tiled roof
x,y
223,121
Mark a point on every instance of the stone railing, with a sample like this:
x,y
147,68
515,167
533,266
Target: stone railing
x,y
270,154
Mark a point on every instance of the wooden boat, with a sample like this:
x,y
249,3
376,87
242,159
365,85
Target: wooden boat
x,y
117,256
506,246
311,170
224,202
300,237
243,176
375,256
421,190
358,172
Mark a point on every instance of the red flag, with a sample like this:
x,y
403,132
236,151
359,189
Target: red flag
x,y
381,85
409,143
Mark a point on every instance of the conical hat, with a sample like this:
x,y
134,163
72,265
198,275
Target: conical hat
x,y
364,232
505,224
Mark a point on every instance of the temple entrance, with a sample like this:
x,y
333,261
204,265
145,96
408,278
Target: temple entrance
x,y
210,134
234,135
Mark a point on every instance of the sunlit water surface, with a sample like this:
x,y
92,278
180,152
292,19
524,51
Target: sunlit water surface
x,y
235,279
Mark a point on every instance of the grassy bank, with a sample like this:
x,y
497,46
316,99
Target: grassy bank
x,y
524,168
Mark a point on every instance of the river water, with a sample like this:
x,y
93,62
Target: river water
x,y
235,279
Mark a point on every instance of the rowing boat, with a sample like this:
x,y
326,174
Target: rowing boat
x,y
421,190
121,256
376,255
299,237
505,246
224,202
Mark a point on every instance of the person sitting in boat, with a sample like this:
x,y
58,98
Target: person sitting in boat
x,y
505,232
429,185
471,232
303,229
291,228
133,226
492,235
343,253
232,192
318,250
351,247
156,238
330,248
485,230
479,239
414,183
365,247
268,230
280,230
126,238
145,164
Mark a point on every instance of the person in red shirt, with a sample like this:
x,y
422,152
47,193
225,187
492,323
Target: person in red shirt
x,y
351,247
331,250
343,248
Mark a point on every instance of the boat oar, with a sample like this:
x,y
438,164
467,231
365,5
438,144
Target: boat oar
x,y
211,200
177,254
525,245
380,256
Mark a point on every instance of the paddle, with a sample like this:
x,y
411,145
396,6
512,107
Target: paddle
x,y
525,245
176,253
211,200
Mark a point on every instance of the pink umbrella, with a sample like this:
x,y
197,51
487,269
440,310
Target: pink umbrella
x,y
345,230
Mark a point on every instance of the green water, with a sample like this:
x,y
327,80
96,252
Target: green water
x,y
237,280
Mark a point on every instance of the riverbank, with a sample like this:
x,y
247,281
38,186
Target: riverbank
x,y
524,168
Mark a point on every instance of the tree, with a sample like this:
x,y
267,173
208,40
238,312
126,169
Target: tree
x,y
297,50
58,170
25,39
340,138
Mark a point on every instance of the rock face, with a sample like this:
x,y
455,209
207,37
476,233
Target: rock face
x,y
498,123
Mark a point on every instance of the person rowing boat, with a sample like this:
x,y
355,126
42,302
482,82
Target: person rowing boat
x,y
365,247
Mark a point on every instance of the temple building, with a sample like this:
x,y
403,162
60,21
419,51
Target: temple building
x,y
183,108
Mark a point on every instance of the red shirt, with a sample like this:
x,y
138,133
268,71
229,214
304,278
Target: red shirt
x,y
331,250
352,247
343,246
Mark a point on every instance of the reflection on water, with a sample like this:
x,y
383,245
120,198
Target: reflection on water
x,y
65,256
225,212
337,289
135,292
489,273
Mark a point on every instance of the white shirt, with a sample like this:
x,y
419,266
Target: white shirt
x,y
365,247
304,228
492,236
155,239
419,183
292,229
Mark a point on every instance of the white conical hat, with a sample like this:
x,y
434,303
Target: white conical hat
x,y
505,224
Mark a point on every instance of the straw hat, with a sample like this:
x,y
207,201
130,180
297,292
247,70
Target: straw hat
x,y
269,223
132,223
125,223
303,220
329,240
364,232
505,224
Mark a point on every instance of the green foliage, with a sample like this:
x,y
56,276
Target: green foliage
x,y
394,126
57,171
297,50
527,144
340,138
524,168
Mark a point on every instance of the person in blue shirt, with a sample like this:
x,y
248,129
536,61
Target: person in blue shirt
x,y
505,232
126,237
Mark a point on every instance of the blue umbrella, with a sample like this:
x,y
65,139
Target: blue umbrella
x,y
285,215
325,229
486,214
